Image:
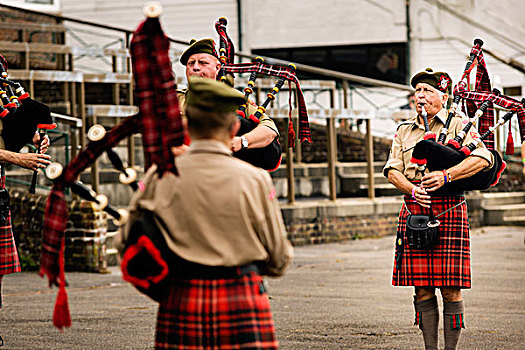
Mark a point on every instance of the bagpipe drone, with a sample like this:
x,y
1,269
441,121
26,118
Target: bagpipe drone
x,y
433,154
268,157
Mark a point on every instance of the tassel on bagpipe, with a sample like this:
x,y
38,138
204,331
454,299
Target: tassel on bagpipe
x,y
159,122
506,118
268,157
434,156
288,73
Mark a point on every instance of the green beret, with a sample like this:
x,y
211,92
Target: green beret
x,y
439,80
210,95
201,46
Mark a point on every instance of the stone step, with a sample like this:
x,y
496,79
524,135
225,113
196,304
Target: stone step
x,y
503,214
381,190
321,169
515,220
502,198
112,257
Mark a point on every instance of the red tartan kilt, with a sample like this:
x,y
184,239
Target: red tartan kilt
x,y
216,314
448,263
9,262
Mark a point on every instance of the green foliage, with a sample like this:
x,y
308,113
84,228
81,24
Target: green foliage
x,y
27,263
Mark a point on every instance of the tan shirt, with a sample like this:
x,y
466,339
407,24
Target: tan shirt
x,y
411,131
250,109
220,211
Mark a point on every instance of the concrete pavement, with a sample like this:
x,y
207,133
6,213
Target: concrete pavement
x,y
335,296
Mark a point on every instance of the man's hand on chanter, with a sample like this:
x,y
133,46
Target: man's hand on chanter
x,y
44,145
33,161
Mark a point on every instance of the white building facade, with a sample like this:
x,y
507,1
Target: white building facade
x,y
386,40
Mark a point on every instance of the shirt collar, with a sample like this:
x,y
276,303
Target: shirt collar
x,y
209,146
441,116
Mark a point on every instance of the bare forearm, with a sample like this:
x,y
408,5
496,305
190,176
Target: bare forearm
x,y
468,167
260,137
32,161
8,157
396,178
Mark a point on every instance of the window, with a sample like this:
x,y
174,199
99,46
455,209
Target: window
x,y
512,91
379,61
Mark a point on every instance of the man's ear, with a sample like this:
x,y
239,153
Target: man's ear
x,y
236,125
217,67
444,99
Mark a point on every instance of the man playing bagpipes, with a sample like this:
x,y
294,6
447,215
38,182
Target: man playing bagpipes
x,y
201,60
9,262
222,220
444,262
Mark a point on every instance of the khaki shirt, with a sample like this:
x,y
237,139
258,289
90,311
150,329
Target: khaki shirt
x,y
250,109
411,131
220,211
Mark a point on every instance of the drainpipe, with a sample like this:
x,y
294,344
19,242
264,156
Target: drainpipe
x,y
409,32
239,25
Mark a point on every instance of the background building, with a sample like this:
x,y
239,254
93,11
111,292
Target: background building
x,y
385,40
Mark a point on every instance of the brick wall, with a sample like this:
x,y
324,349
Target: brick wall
x,y
86,234
336,229
350,145
89,234
37,60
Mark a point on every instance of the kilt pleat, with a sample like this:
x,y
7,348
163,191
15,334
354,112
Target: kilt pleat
x,y
206,314
9,262
448,263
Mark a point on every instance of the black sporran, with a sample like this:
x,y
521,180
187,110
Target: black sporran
x,y
421,231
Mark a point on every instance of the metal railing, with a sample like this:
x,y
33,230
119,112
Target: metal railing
x,y
74,86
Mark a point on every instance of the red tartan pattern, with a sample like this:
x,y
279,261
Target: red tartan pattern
x,y
9,262
226,42
456,322
501,100
417,321
216,314
483,85
483,89
157,96
281,72
448,263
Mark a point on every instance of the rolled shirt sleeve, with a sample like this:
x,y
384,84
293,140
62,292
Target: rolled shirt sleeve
x,y
395,158
264,120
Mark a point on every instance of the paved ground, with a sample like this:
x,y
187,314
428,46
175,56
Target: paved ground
x,y
335,296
